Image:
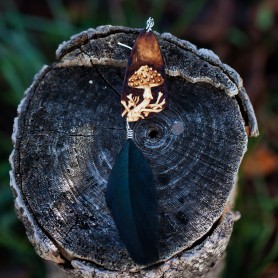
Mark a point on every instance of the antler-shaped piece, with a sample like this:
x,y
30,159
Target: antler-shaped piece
x,y
135,112
132,103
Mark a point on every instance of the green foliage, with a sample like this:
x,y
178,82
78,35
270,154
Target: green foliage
x,y
238,38
265,18
254,243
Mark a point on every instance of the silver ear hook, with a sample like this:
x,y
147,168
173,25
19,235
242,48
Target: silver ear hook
x,y
149,24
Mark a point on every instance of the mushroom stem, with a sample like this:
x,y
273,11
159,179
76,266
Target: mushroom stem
x,y
142,105
147,92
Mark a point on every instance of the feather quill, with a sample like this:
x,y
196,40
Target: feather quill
x,y
131,197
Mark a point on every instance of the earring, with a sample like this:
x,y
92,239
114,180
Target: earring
x,y
131,192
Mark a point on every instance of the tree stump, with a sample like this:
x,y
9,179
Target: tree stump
x,y
69,130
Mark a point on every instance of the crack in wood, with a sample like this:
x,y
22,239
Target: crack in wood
x,y
97,70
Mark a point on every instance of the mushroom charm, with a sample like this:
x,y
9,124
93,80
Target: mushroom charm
x,y
145,78
144,89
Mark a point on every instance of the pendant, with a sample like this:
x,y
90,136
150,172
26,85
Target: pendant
x,y
131,193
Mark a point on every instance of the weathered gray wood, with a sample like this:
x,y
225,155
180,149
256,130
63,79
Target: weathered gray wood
x,y
68,133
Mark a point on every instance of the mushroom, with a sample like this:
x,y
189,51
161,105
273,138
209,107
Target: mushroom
x,y
145,78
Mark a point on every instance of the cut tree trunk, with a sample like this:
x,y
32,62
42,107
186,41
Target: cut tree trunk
x,y
69,130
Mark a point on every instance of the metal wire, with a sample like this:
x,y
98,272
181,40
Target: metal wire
x,y
129,131
124,45
149,24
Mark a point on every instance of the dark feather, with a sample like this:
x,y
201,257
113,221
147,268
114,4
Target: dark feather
x,y
131,197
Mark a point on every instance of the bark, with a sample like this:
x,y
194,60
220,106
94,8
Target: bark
x,y
69,130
